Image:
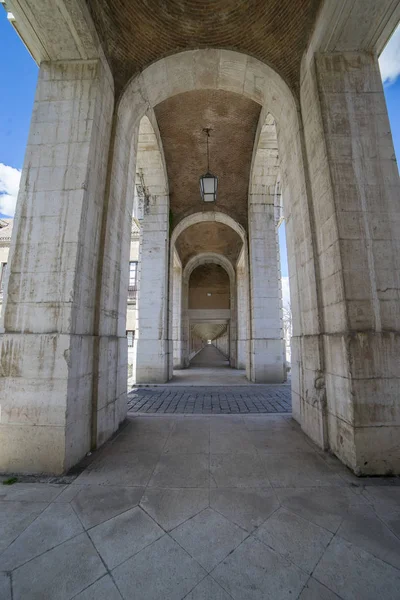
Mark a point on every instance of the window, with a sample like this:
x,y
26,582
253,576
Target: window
x,y
2,275
131,336
132,285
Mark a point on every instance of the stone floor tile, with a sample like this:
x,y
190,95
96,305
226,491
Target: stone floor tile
x,y
190,424
69,492
15,517
316,591
300,541
300,469
30,492
248,508
171,507
185,442
364,529
222,442
240,470
255,572
181,470
383,497
208,537
276,442
208,589
103,589
5,586
338,467
140,442
160,571
268,423
326,507
386,504
97,503
132,470
53,526
138,425
59,574
354,574
119,538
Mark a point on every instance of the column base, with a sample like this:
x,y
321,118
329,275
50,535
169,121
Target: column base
x,y
152,361
363,400
267,363
46,391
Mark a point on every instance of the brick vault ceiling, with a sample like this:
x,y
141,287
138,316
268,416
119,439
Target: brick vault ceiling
x,y
136,33
208,237
233,120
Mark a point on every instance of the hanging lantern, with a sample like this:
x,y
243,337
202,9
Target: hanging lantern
x,y
208,182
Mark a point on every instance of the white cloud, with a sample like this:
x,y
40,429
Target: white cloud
x,y
9,185
389,60
285,292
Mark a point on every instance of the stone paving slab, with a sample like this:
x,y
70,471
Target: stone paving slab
x,y
252,510
211,399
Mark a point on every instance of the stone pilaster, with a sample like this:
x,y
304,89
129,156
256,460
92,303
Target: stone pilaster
x,y
355,193
47,342
266,338
152,343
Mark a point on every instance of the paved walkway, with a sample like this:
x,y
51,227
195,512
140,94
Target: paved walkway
x,y
203,508
210,357
211,400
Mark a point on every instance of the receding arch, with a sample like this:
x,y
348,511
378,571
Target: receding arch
x,y
233,71
151,174
206,258
152,211
204,69
203,259
201,217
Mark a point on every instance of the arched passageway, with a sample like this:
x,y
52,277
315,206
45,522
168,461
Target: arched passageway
x,y
265,138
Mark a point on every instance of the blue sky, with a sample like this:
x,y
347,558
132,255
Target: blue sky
x,y
18,74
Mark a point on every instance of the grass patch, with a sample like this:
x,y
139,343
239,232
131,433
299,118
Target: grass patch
x,y
10,481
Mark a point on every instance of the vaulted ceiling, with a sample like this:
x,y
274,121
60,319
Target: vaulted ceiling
x,y
136,33
208,236
233,120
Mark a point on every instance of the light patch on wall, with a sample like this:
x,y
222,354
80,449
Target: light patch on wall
x,y
285,292
9,185
389,60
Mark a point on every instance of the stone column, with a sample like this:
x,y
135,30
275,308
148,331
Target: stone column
x,y
242,313
266,336
47,326
356,200
177,316
152,341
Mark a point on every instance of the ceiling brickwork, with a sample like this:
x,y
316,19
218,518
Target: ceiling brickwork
x,y
208,237
135,33
209,288
209,276
233,120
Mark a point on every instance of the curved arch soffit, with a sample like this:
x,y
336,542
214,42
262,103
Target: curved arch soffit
x,y
210,68
206,258
265,164
209,216
150,163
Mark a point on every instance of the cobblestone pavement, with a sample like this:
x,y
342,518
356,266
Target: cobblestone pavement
x,y
211,399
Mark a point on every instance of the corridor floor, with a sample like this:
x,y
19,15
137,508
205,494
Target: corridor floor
x,y
214,507
210,357
209,367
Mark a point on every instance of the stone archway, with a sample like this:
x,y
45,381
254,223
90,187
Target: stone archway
x,y
204,259
208,217
74,316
